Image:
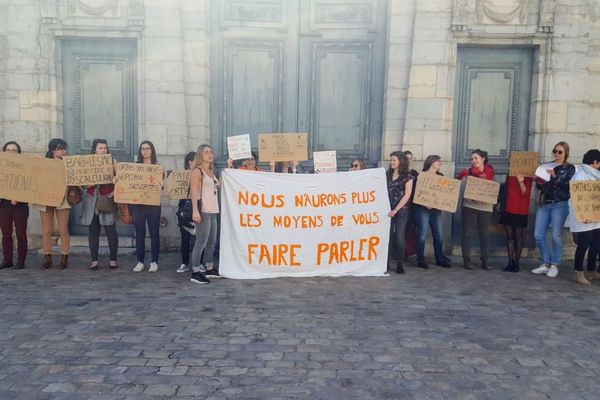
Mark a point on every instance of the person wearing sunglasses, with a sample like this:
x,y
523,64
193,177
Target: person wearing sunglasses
x,y
553,210
357,164
249,164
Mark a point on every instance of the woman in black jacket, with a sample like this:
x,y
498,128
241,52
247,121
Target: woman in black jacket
x,y
553,210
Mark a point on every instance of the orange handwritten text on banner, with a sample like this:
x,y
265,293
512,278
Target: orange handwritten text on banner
x,y
260,199
348,250
275,255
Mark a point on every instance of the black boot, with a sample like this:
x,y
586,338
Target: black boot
x,y
391,264
400,267
64,261
47,261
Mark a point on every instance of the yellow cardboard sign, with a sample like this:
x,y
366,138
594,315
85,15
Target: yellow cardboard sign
x,y
139,183
89,170
283,146
523,163
178,184
483,190
30,179
437,192
585,196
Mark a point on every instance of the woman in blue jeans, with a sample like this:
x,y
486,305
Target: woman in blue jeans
x,y
427,217
204,187
553,210
142,213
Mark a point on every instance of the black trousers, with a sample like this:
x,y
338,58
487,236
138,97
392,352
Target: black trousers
x,y
94,238
586,240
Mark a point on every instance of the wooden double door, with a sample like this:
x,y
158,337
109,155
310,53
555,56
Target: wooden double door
x,y
313,66
99,101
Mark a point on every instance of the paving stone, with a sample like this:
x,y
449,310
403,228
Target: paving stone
x,y
161,390
432,334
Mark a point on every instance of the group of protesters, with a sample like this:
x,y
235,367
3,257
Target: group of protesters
x,y
554,206
199,234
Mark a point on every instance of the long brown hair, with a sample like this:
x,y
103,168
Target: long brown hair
x,y
198,162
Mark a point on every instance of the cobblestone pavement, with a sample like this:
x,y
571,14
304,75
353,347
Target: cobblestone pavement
x,y
451,334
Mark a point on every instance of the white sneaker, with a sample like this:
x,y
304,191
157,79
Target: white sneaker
x,y
552,272
139,267
153,267
542,269
183,268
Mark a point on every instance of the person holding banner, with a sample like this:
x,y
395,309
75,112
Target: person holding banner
x,y
553,210
188,233
514,217
57,149
357,164
249,164
588,232
95,218
476,214
13,213
400,186
205,206
284,167
144,213
427,217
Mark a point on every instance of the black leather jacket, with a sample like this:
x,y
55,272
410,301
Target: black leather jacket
x,y
557,188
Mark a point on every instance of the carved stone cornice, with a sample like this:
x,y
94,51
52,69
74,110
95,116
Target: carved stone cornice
x,y
94,8
497,13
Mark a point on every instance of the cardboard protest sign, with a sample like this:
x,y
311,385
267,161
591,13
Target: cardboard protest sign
x,y
585,196
31,179
275,225
283,146
437,192
523,163
483,190
139,183
89,170
239,147
325,161
178,184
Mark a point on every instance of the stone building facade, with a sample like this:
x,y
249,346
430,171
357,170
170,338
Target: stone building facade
x,y
364,77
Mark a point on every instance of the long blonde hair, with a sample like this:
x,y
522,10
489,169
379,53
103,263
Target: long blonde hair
x,y
198,160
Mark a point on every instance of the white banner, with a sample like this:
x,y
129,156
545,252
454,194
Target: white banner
x,y
299,225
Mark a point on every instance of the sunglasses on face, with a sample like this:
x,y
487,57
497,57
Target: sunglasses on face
x,y
557,151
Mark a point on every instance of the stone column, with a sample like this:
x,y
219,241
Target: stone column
x,y
163,109
428,127
196,72
400,38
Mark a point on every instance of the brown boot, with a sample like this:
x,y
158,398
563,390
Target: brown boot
x,y
47,261
64,261
592,275
580,278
